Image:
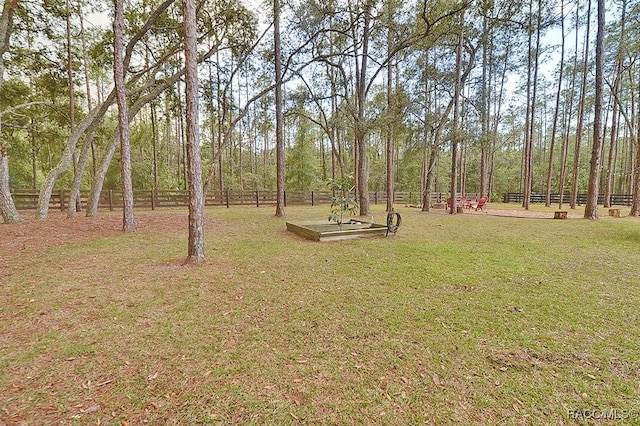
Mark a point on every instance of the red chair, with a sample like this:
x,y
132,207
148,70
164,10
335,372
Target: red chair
x,y
463,201
474,200
480,205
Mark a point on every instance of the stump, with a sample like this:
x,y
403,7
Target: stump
x,y
560,215
459,209
614,212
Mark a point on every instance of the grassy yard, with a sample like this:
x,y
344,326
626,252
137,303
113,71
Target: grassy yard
x,y
466,319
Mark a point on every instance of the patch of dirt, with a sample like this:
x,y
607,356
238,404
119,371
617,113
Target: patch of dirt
x,y
527,214
519,213
57,230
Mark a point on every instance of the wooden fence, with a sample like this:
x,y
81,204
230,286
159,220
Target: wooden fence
x,y
149,199
614,199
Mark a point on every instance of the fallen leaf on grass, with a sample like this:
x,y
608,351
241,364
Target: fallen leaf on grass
x,y
91,409
436,379
296,400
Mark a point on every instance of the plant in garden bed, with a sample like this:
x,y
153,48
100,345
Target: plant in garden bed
x,y
343,200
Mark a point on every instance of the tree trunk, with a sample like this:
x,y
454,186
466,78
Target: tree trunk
x,y
362,169
390,187
568,109
615,114
581,107
87,82
484,101
527,161
128,220
154,145
456,112
591,208
7,207
430,148
390,145
77,206
49,181
9,212
79,170
280,172
556,112
196,198
635,169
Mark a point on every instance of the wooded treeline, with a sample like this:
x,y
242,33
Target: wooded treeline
x,y
486,96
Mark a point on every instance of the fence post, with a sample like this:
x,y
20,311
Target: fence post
x,y
285,198
111,200
312,200
375,197
227,193
257,199
62,200
153,199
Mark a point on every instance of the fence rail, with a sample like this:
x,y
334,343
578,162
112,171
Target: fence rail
x,y
27,199
614,199
112,199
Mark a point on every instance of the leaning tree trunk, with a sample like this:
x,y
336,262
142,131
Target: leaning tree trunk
x,y
9,212
49,181
80,166
8,208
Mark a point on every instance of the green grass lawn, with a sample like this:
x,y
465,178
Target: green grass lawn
x,y
465,319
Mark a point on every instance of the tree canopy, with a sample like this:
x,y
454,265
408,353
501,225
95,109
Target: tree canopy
x,y
370,88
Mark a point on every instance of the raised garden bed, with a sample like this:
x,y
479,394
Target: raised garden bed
x,y
329,231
